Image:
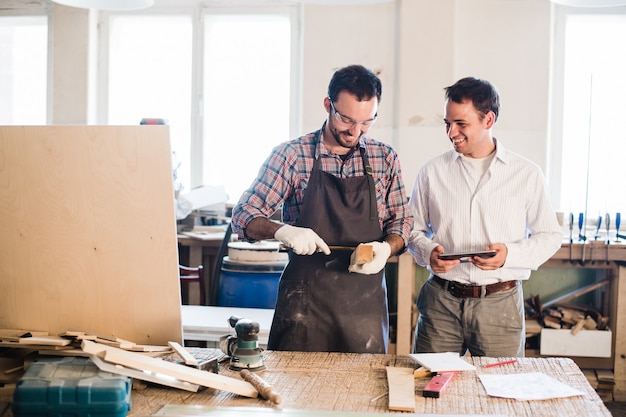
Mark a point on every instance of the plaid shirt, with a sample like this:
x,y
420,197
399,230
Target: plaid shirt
x,y
284,176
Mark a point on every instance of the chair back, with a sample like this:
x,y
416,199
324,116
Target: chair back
x,y
190,274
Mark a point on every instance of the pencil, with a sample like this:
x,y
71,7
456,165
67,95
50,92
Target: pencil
x,y
491,365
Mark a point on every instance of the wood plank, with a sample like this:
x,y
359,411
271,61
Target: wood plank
x,y
184,354
44,341
405,300
181,372
88,231
19,345
401,389
605,375
144,376
13,335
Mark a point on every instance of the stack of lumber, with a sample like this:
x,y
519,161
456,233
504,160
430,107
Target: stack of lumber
x,y
602,380
573,317
124,357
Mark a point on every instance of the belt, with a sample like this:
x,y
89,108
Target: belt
x,y
473,291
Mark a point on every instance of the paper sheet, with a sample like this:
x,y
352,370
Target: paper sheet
x,y
528,386
442,362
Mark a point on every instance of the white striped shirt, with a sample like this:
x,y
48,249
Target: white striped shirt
x,y
509,205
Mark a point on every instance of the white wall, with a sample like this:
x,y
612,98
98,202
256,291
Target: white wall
x,y
422,46
73,68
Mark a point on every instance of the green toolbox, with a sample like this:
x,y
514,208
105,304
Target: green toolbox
x,y
70,387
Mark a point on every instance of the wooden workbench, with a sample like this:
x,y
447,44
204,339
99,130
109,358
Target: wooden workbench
x,y
358,383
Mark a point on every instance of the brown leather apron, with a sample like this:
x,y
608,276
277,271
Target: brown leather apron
x,y
321,307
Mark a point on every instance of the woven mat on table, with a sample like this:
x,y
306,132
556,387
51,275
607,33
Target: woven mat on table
x,y
467,395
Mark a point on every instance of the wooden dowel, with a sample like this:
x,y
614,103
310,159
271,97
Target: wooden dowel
x,y
265,389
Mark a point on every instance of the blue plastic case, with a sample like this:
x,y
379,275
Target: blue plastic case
x,y
70,387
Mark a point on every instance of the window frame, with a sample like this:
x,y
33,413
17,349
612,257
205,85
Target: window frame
x,y
198,11
560,15
37,8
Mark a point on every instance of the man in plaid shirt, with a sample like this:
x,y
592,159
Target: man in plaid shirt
x,y
338,187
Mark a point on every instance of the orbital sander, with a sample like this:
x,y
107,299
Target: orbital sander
x,y
243,347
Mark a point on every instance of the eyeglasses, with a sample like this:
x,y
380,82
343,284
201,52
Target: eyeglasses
x,y
351,122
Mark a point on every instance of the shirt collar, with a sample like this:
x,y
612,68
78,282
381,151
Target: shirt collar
x,y
501,152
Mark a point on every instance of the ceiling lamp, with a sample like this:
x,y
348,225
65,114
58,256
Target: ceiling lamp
x,y
107,4
344,2
590,3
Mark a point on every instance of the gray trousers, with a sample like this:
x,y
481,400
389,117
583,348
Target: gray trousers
x,y
492,326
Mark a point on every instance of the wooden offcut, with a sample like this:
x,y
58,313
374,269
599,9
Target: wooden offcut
x,y
422,372
140,375
364,254
44,340
184,354
184,373
401,389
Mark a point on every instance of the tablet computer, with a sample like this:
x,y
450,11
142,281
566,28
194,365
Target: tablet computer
x,y
464,256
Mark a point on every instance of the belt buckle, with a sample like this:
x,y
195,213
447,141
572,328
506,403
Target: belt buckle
x,y
455,290
464,291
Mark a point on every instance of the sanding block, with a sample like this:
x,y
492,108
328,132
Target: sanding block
x,y
364,254
437,385
422,372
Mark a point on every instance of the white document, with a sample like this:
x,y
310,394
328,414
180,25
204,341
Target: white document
x,y
524,387
442,362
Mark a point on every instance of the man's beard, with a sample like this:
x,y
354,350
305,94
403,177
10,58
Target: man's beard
x,y
337,136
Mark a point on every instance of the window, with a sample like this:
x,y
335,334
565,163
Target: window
x,y
221,79
592,105
246,110
23,70
150,61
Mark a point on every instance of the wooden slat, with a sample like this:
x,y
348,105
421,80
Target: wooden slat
x,y
183,353
44,341
144,376
406,285
140,362
401,389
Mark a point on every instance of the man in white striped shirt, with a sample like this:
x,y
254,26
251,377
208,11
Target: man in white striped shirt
x,y
478,197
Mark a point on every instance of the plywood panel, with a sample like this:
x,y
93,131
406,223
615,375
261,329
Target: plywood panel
x,y
88,231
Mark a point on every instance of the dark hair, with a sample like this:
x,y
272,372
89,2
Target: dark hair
x,y
481,93
357,80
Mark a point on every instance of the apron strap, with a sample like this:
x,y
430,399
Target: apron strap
x,y
370,180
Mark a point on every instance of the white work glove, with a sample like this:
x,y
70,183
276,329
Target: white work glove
x,y
302,240
382,251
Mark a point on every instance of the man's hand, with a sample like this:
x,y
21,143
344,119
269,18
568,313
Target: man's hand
x,y
382,251
302,240
440,266
488,264
495,262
